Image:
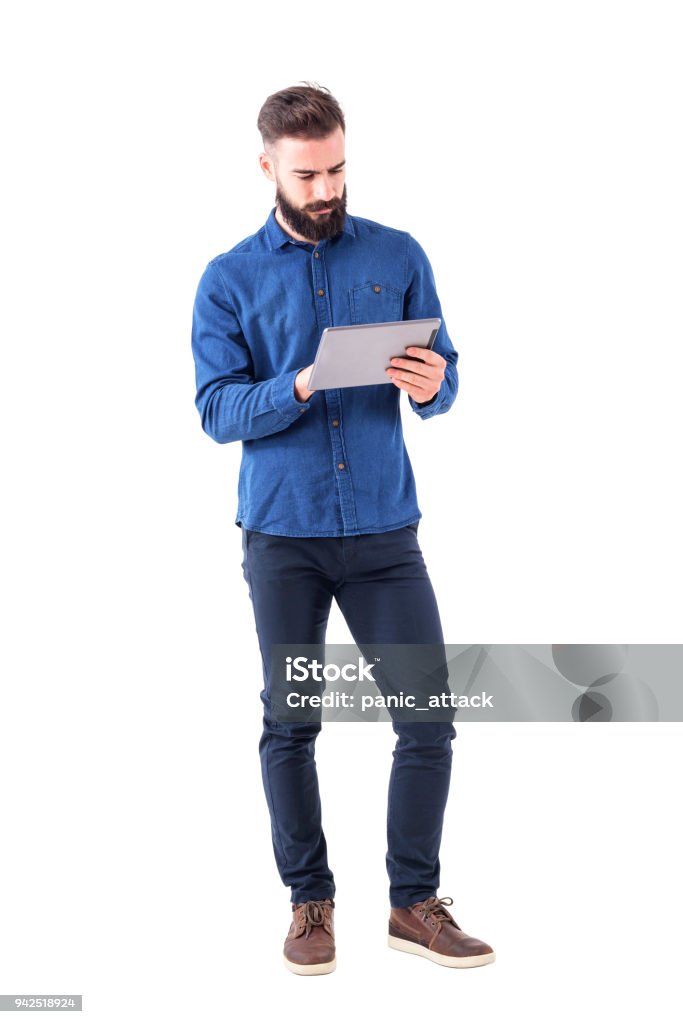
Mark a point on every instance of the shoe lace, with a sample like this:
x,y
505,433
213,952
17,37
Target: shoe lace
x,y
436,908
314,914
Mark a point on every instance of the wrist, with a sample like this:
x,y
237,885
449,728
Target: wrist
x,y
301,392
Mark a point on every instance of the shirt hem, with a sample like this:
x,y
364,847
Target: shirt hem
x,y
241,522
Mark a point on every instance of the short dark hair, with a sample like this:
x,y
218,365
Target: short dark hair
x,y
307,111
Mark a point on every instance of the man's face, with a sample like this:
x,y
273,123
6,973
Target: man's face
x,y
310,178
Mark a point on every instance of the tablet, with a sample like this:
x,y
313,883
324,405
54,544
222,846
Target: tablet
x,y
351,356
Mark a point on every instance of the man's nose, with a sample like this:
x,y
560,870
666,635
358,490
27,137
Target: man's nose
x,y
324,188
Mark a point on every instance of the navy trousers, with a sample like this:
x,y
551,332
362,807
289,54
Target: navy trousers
x,y
381,585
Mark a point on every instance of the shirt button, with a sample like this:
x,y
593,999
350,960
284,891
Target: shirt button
x,y
340,465
320,291
377,288
317,255
335,423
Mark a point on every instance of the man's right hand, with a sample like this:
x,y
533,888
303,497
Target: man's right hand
x,y
301,392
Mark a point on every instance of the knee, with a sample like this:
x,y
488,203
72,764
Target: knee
x,y
425,738
300,735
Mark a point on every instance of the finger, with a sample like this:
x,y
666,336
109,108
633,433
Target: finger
x,y
427,354
408,376
409,364
419,394
433,370
422,388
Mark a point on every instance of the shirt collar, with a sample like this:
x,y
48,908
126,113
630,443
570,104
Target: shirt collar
x,y
277,237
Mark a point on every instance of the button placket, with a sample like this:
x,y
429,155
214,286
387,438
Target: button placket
x,y
340,462
320,288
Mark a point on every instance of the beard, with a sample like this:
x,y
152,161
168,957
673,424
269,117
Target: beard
x,y
313,228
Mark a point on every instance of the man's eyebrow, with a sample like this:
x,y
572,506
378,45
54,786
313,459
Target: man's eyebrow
x,y
301,170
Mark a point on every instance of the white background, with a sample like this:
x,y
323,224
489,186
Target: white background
x,y
534,150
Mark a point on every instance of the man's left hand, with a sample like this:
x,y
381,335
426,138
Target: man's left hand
x,y
421,380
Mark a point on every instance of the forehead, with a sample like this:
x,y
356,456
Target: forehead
x,y
311,154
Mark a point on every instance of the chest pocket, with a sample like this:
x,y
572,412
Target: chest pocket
x,y
375,303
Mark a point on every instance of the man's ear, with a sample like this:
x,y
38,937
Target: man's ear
x,y
267,162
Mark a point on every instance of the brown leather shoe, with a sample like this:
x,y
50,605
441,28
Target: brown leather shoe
x,y
309,946
427,928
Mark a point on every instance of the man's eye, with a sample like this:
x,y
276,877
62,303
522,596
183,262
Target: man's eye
x,y
305,177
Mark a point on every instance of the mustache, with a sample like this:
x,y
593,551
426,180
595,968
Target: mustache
x,y
325,206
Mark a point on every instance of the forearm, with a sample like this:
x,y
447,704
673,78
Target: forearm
x,y
241,412
422,301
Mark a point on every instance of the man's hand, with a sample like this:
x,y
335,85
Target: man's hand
x,y
300,381
421,380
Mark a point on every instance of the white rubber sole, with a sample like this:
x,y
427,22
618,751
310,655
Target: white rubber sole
x,y
438,958
309,969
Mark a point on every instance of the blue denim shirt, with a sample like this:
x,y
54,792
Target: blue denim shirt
x,y
336,465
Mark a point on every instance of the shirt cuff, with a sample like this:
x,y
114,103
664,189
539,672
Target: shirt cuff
x,y
427,409
283,398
